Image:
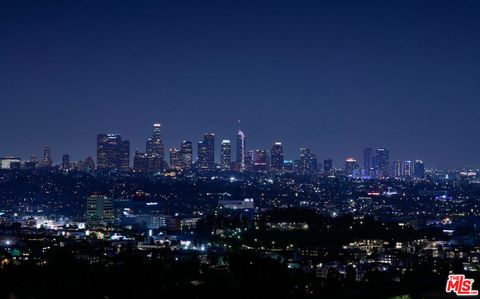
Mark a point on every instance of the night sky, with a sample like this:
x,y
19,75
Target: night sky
x,y
336,76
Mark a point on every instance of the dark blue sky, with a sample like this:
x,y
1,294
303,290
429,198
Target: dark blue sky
x,y
336,76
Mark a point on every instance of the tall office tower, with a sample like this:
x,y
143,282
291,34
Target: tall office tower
x,y
260,160
125,154
327,164
241,150
368,162
107,144
47,156
308,162
187,155
408,168
276,154
419,169
175,159
209,142
112,152
99,210
312,163
350,166
226,155
397,169
302,166
140,162
154,145
66,162
248,160
206,152
201,156
382,163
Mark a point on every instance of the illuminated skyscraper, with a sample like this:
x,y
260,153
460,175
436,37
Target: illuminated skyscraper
x,y
407,168
202,156
187,155
226,154
206,152
155,150
368,162
260,160
241,151
277,158
308,162
112,152
397,169
249,160
175,159
125,154
382,163
350,166
154,145
419,169
209,140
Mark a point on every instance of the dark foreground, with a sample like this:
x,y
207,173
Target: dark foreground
x,y
248,276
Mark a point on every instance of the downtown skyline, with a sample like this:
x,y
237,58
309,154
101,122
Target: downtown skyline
x,y
158,132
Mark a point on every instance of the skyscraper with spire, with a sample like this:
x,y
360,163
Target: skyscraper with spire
x,y
240,150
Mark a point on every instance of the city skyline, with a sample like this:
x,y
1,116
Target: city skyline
x,y
216,155
336,78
